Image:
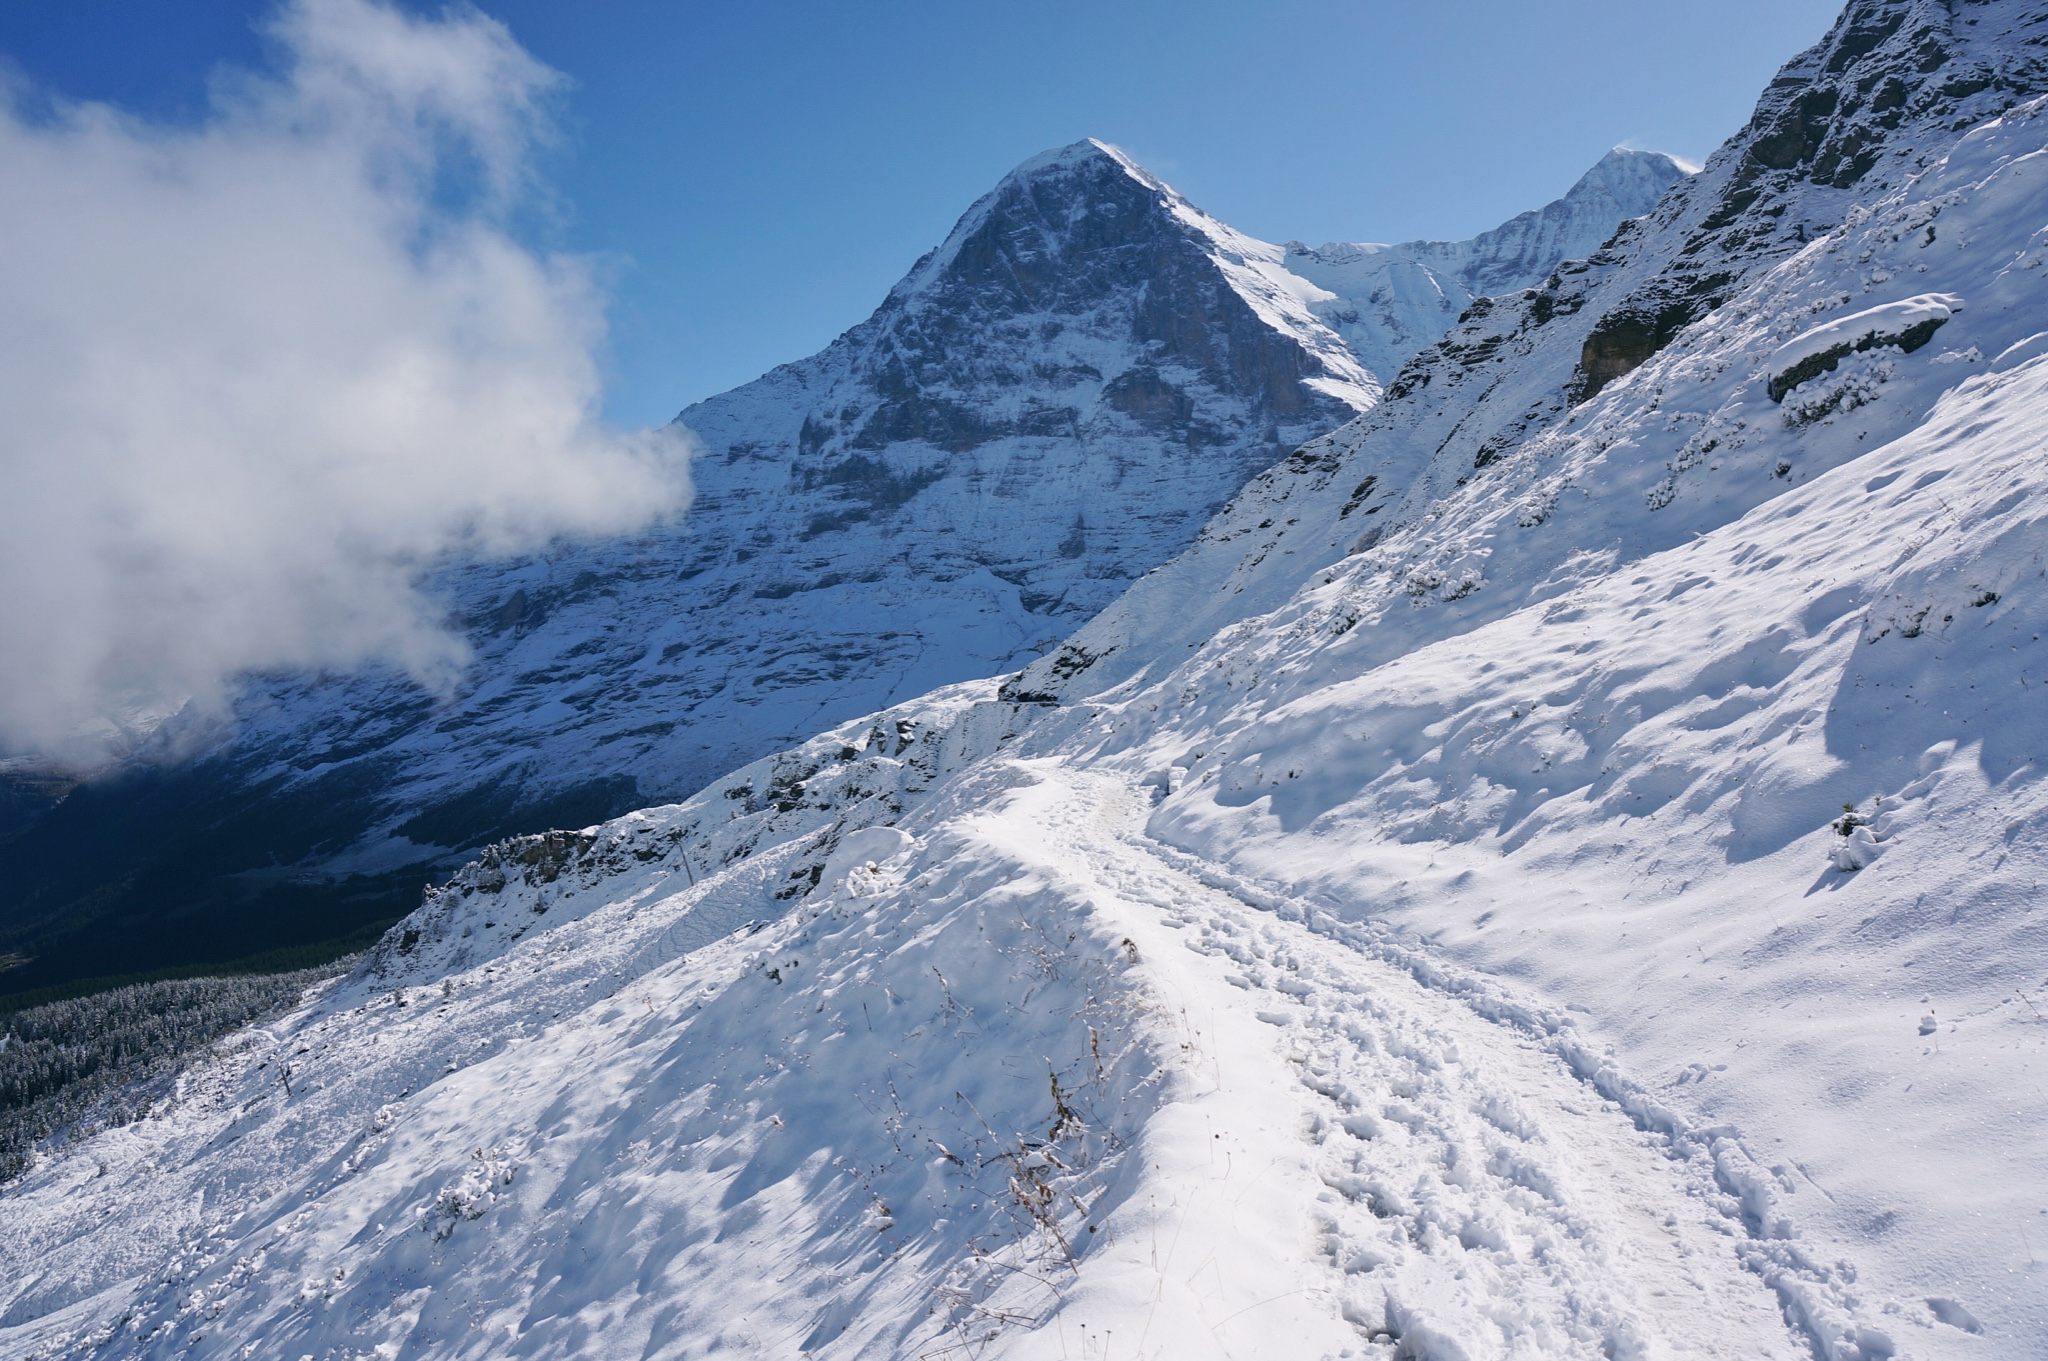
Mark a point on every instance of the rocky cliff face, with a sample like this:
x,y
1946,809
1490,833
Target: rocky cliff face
x,y
1390,301
1852,116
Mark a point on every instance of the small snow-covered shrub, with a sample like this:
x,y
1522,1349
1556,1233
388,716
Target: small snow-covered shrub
x,y
469,1195
1862,838
1855,384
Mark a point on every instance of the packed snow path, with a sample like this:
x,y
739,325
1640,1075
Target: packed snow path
x,y
654,1128
1467,1196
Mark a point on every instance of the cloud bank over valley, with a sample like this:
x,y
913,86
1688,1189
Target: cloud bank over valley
x,y
262,371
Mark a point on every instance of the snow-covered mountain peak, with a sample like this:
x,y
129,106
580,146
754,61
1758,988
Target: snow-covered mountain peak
x,y
1087,152
1626,176
1624,183
1388,301
1548,873
1121,292
1072,225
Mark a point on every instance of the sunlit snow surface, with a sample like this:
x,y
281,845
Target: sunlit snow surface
x,y
977,1096
1413,923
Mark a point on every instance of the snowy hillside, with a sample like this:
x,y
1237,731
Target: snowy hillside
x,y
1553,871
1049,405
1390,301
1706,715
1005,1078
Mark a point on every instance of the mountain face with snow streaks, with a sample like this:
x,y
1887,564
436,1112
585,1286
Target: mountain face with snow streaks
x,y
1048,405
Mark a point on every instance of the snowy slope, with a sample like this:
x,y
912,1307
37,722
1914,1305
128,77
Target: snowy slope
x,y
1583,705
1390,301
1049,405
1419,921
974,1096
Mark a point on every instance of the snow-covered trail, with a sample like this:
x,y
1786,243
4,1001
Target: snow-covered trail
x,y
1025,1084
1364,1159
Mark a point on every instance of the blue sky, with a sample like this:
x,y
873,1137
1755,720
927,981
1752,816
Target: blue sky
x,y
757,175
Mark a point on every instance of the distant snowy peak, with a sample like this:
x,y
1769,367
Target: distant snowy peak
x,y
1389,301
1078,314
1521,252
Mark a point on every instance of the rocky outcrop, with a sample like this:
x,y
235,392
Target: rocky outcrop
x,y
1842,118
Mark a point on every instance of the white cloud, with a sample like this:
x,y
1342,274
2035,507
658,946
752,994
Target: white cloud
x,y
255,374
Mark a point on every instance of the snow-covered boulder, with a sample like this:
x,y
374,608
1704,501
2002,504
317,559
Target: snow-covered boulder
x,y
1907,324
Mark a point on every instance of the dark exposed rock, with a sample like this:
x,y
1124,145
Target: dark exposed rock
x,y
1814,365
1829,120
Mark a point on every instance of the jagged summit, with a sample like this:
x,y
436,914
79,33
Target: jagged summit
x,y
1388,301
1071,226
1061,170
1521,252
1624,183
1062,175
1088,150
